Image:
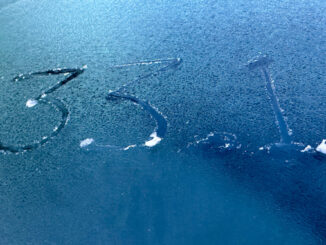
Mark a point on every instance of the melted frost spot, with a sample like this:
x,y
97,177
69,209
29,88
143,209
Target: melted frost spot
x,y
322,147
86,142
154,141
31,103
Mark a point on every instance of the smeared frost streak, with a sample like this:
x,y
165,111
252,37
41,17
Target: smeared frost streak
x,y
129,147
148,62
286,148
43,99
63,121
307,149
171,63
161,123
283,127
262,63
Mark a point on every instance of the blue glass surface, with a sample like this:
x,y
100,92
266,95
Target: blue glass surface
x,y
162,122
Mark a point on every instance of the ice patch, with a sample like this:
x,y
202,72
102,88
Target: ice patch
x,y
128,147
86,142
204,139
322,147
147,62
31,103
308,148
154,141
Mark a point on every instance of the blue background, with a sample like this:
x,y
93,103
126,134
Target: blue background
x,y
169,194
